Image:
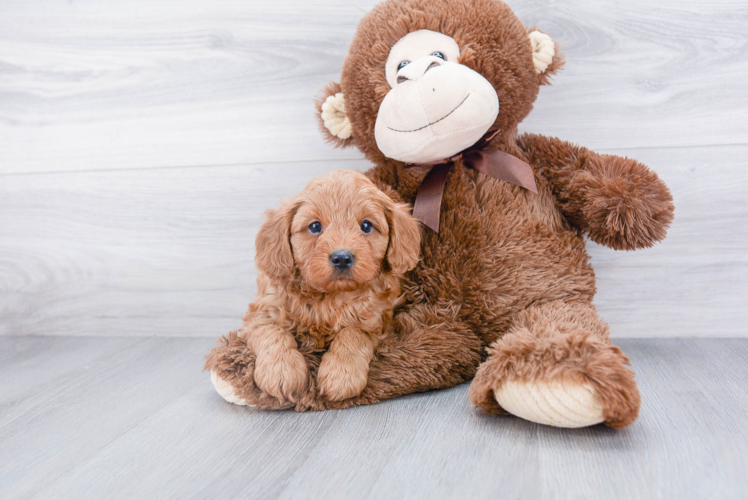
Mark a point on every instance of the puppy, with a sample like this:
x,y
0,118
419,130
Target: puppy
x,y
330,263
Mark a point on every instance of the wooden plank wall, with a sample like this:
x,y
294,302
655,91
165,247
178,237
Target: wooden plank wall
x,y
140,142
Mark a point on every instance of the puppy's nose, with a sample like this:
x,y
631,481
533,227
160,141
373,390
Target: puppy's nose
x,y
341,259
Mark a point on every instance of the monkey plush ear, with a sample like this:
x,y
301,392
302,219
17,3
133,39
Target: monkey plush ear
x,y
546,56
333,121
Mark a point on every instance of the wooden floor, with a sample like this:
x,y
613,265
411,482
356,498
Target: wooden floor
x,y
118,417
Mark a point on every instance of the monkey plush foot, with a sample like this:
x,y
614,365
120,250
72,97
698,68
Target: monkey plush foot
x,y
232,366
553,402
556,366
226,390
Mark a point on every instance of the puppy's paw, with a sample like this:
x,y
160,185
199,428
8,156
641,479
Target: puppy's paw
x,y
340,379
282,374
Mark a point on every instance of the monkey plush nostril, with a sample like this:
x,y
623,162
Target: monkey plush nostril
x,y
341,259
433,65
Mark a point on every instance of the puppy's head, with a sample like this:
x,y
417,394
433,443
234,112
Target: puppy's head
x,y
339,233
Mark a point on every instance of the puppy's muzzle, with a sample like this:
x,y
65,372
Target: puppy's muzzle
x,y
342,260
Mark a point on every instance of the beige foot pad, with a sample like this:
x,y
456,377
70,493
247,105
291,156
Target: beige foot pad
x,y
226,390
556,403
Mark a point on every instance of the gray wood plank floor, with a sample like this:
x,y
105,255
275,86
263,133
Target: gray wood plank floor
x,y
123,417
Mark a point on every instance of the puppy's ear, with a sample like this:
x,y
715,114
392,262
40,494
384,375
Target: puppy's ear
x,y
333,121
405,236
273,245
546,56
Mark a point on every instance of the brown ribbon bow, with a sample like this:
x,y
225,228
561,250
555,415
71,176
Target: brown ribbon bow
x,y
488,162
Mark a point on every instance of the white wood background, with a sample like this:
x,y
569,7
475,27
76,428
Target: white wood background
x,y
140,141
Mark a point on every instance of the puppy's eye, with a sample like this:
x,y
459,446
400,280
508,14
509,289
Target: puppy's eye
x,y
366,227
315,227
438,54
402,65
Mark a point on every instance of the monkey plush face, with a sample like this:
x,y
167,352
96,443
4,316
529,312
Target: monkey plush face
x,y
426,79
432,98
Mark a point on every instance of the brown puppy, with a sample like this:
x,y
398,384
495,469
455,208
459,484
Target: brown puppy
x,y
330,263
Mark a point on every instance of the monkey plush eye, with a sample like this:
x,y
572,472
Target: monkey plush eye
x,y
402,65
438,54
366,227
315,227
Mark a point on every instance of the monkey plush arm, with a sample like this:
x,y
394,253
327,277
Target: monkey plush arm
x,y
617,201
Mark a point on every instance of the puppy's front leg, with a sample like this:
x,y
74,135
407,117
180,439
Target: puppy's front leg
x,y
344,369
280,369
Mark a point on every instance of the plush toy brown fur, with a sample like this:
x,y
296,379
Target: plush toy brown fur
x,y
504,290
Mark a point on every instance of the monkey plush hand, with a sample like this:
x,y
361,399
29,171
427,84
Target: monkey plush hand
x,y
432,92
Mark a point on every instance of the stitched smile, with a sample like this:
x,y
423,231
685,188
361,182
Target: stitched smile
x,y
432,123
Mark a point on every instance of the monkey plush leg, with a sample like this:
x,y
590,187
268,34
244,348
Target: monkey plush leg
x,y
556,366
232,367
429,349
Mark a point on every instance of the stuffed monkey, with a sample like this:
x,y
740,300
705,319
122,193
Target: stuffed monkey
x,y
432,92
